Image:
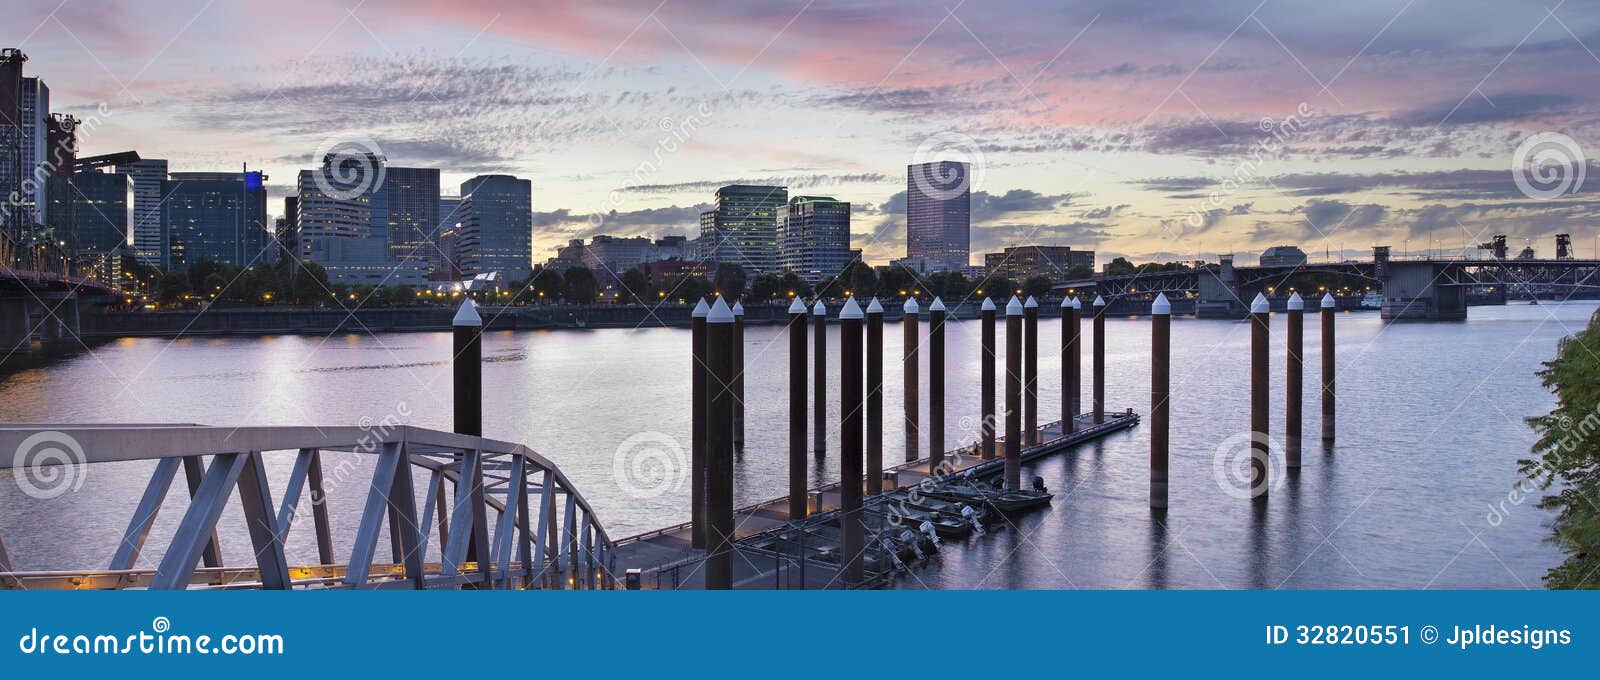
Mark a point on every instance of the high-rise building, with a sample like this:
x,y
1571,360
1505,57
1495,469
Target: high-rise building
x,y
333,202
102,212
215,216
288,235
412,212
34,113
496,232
743,228
443,262
814,237
938,216
149,243
1283,256
12,219
1023,262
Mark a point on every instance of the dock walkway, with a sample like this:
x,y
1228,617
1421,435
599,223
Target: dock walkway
x,y
668,560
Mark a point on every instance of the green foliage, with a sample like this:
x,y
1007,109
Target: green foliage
x,y
792,283
636,286
547,285
730,280
172,286
1038,286
580,285
766,287
1568,459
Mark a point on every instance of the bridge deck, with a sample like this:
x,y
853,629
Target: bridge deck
x,y
668,560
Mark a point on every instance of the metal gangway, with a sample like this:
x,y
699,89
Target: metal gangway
x,y
507,518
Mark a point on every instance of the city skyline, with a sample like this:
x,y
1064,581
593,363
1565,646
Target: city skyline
x,y
1112,130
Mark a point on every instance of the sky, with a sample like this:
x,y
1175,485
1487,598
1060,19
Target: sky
x,y
1151,130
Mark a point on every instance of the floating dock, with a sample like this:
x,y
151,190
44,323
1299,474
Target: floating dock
x,y
775,552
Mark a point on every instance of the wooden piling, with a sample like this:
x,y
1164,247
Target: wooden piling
x,y
936,313
1160,386
1099,360
1328,311
1071,365
819,380
467,366
719,447
699,401
1293,381
1260,385
1013,459
989,422
1030,371
913,399
738,376
874,471
852,534
797,409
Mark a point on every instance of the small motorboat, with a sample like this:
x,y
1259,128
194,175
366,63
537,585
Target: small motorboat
x,y
1003,501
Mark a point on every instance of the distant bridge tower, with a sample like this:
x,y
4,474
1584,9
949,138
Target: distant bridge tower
x,y
1563,246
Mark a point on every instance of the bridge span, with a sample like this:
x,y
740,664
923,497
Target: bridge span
x,y
1412,288
44,306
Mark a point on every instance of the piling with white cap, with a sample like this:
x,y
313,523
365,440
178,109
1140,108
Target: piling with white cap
x,y
1071,364
852,533
989,423
936,314
874,472
738,376
1030,371
819,380
797,409
719,447
1099,404
1260,387
1328,309
1160,389
1294,381
913,399
1013,457
699,403
467,368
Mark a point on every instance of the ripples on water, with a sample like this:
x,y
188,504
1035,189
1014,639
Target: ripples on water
x,y
1430,429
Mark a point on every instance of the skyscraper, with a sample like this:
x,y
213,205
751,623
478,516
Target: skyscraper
x,y
149,244
35,111
743,229
11,141
331,205
814,237
412,211
938,216
444,264
215,216
102,212
496,233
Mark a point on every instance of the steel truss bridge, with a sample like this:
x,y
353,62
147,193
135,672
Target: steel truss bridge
x,y
1413,287
506,517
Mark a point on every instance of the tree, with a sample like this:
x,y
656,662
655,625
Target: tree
x,y
636,286
1078,272
1568,453
581,286
793,285
547,284
860,280
1119,267
173,286
1037,286
686,287
898,281
767,286
730,280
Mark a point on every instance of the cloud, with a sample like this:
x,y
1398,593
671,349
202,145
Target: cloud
x,y
793,182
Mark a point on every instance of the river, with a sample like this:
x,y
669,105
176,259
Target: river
x,y
1414,494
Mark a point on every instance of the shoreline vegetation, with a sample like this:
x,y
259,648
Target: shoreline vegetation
x,y
1566,466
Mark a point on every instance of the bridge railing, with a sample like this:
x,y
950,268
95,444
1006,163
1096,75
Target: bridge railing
x,y
511,520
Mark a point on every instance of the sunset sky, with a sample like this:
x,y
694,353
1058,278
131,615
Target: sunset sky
x,y
1093,124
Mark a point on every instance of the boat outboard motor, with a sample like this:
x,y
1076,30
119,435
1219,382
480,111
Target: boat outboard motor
x,y
1038,484
927,528
910,538
972,517
894,553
